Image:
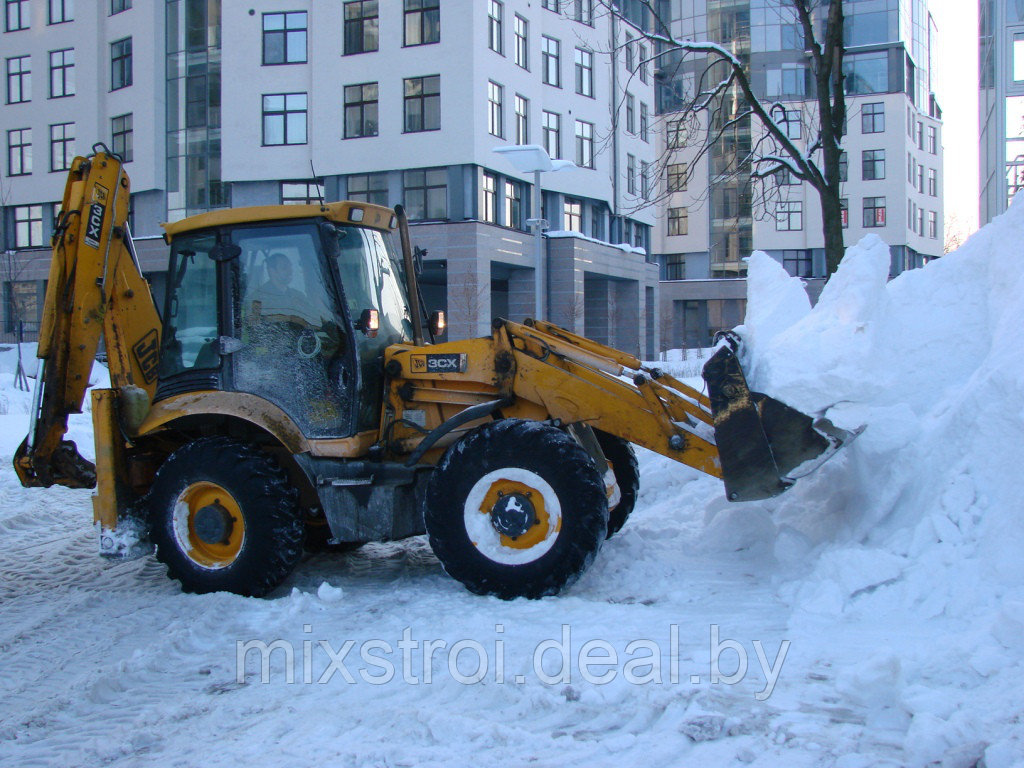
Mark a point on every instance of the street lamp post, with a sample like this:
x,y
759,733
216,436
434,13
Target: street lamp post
x,y
531,158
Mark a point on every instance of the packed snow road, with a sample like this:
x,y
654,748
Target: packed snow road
x,y
873,615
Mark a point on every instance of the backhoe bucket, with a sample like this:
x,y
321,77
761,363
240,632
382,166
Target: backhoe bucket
x,y
763,444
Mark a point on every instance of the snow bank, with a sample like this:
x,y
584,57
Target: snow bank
x,y
921,517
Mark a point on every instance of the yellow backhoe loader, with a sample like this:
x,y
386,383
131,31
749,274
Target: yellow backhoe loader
x,y
288,396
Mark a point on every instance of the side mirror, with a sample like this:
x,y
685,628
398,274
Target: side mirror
x,y
369,322
438,323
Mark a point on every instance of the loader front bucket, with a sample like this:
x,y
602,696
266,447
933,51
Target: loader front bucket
x,y
763,444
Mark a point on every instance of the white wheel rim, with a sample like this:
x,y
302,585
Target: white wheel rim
x,y
486,538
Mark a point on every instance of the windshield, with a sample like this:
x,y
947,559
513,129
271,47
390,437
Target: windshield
x,y
372,278
190,315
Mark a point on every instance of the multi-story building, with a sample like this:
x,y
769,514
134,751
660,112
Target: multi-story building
x,y
1001,104
716,213
215,104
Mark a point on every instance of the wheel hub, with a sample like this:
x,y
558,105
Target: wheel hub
x,y
213,524
513,514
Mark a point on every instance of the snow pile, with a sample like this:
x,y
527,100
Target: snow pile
x,y
921,517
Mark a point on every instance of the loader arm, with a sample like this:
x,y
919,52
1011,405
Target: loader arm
x,y
755,444
95,289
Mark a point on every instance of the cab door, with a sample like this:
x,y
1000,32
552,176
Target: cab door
x,y
293,343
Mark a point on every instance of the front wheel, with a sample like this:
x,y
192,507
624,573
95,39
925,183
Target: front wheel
x,y
224,518
516,509
627,479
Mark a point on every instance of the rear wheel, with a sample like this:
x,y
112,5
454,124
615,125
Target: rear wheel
x,y
627,477
516,509
224,518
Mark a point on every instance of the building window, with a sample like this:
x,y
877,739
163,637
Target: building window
x,y
513,204
645,123
874,212
792,123
645,183
494,26
19,79
673,266
597,222
117,6
844,166
489,199
19,152
642,63
284,38
584,144
422,22
920,179
630,113
678,221
62,146
844,212
551,5
521,30
422,104
933,140
872,118
550,53
362,27
308,192
933,225
426,193
369,188
62,73
797,263
28,226
121,64
583,11
572,215
676,177
920,135
60,11
630,53
784,177
121,137
584,72
17,15
933,183
284,118
360,110
873,164
676,134
631,174
495,109
789,216
920,222
522,120
552,129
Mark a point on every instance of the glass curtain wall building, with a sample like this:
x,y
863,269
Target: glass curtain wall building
x,y
1001,103
889,51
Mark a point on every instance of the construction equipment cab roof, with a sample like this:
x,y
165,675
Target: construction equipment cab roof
x,y
347,212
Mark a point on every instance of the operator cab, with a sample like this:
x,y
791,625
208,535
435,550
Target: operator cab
x,y
293,304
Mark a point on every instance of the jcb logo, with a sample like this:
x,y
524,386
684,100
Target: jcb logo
x,y
147,355
94,226
438,363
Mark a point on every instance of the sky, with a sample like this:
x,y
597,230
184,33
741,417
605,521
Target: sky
x,y
957,91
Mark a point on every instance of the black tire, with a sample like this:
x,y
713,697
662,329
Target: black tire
x,y
561,528
257,528
627,477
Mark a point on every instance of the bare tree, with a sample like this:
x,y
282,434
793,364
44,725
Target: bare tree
x,y
572,311
722,98
955,233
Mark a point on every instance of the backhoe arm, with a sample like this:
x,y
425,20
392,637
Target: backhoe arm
x,y
95,288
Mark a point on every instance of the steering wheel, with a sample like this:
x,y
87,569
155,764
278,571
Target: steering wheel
x,y
308,344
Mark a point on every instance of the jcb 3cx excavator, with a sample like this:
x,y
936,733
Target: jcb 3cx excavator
x,y
287,396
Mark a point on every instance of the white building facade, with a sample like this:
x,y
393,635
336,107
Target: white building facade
x,y
391,102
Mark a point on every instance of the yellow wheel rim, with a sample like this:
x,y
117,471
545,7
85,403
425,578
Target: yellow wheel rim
x,y
208,525
542,523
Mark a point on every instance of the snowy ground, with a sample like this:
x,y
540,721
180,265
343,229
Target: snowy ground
x,y
884,595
